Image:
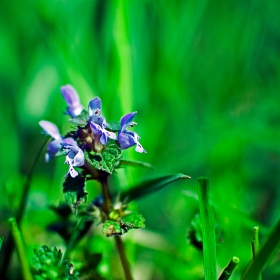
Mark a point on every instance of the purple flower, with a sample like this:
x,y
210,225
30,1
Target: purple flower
x,y
126,138
54,146
75,156
73,101
98,123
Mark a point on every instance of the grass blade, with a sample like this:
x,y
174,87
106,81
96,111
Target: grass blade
x,y
229,269
208,229
20,249
265,252
150,186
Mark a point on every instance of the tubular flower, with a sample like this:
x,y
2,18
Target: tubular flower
x,y
74,157
98,123
72,99
54,146
126,138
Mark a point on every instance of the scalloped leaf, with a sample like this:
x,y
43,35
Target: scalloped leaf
x,y
123,163
112,228
133,220
46,262
150,186
107,159
74,193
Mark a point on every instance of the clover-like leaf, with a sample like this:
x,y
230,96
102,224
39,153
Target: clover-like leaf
x,y
105,160
112,228
74,192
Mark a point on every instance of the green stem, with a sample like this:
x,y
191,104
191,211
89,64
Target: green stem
x,y
118,240
9,244
256,245
124,261
229,269
208,229
73,239
1,241
20,249
255,242
106,194
266,251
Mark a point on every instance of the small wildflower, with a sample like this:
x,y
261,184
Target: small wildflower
x,y
98,124
73,101
126,138
54,146
74,157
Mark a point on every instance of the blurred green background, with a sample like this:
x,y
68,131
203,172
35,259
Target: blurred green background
x,y
204,77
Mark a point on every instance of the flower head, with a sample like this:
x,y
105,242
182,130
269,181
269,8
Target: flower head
x,y
73,101
54,146
98,123
126,138
74,157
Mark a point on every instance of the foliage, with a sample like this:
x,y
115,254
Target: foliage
x,y
47,263
204,79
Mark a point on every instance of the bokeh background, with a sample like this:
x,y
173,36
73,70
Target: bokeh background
x,y
204,77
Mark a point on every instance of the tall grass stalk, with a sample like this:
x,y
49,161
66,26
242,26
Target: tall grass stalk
x,y
208,229
265,252
20,249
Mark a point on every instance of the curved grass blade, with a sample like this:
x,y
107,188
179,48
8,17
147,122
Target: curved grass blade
x,y
254,269
134,163
150,186
20,249
9,244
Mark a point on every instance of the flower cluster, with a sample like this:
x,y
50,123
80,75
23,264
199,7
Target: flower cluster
x,y
91,136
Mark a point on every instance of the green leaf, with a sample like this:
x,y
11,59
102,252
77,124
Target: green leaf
x,y
46,262
61,153
133,220
208,229
133,163
112,228
74,193
150,186
107,159
114,126
267,249
81,120
1,241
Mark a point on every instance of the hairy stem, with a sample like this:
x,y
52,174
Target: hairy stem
x,y
118,240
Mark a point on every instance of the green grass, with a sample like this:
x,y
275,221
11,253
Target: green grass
x,y
204,77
